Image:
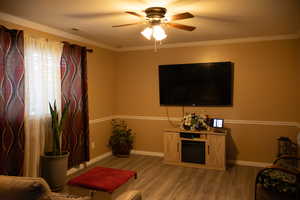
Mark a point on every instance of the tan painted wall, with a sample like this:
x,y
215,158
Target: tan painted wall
x,y
244,142
264,89
265,80
101,67
298,81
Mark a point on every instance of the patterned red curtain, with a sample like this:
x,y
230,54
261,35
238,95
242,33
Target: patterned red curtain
x,y
74,89
11,102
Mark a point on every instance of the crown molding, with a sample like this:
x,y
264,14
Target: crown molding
x,y
47,29
214,42
57,32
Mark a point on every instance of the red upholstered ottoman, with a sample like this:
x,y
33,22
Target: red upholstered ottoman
x,y
105,183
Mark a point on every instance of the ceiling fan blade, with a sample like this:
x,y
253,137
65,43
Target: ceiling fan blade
x,y
94,15
220,19
127,24
181,26
134,13
180,16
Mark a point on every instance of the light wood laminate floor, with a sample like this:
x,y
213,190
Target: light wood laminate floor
x,y
159,181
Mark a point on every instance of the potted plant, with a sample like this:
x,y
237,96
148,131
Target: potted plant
x,y
121,140
55,163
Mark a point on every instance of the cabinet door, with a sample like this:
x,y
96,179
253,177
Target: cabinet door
x,y
171,147
216,152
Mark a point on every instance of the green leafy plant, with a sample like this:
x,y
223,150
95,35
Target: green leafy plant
x,y
121,140
57,127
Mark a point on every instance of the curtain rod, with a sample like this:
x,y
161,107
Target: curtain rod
x,y
88,50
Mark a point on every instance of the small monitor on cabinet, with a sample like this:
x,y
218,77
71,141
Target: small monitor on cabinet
x,y
217,123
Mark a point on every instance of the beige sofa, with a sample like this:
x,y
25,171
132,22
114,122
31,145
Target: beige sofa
x,y
25,188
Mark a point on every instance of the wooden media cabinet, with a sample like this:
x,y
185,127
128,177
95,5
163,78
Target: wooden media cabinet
x,y
200,149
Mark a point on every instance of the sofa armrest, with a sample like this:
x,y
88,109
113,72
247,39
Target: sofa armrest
x,y
65,196
12,187
130,195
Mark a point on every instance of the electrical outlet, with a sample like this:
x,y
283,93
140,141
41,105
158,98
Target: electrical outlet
x,y
93,145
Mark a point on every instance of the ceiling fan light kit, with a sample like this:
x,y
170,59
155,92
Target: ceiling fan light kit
x,y
155,17
156,12
147,33
157,32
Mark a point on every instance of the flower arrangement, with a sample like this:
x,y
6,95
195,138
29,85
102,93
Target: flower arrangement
x,y
195,122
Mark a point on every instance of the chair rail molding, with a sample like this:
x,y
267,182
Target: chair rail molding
x,y
102,119
177,119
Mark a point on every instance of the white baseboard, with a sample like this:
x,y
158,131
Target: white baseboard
x,y
92,161
98,158
148,153
235,162
249,163
160,154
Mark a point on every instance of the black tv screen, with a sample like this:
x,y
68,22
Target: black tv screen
x,y
198,84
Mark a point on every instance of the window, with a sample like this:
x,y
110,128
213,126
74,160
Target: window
x,y
42,79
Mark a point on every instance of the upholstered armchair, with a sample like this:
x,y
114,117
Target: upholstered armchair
x,y
279,181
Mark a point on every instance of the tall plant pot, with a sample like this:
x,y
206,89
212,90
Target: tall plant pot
x,y
54,170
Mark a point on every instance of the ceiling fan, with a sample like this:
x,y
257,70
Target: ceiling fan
x,y
155,17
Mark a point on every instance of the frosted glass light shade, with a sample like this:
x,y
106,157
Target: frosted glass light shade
x,y
159,33
147,33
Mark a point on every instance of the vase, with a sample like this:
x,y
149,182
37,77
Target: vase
x,y
122,150
54,170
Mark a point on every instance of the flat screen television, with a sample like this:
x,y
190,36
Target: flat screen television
x,y
198,84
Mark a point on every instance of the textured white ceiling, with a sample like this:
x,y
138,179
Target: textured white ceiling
x,y
214,19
